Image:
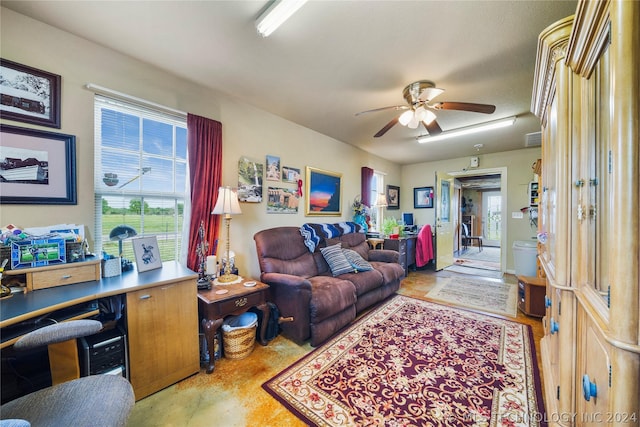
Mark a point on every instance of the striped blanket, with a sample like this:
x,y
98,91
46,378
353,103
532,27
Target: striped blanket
x,y
313,234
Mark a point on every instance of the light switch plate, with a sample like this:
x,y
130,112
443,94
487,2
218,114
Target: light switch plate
x,y
517,215
474,162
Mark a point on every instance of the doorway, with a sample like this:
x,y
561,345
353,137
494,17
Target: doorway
x,y
482,196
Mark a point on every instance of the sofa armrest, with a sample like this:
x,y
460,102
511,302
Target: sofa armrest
x,y
292,295
383,255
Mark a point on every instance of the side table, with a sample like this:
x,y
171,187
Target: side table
x,y
213,306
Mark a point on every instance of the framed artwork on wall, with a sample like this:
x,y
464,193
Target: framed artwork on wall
x,y
393,197
273,168
323,195
423,197
29,95
37,167
249,181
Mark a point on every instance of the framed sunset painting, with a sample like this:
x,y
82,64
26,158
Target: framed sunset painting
x,y
323,193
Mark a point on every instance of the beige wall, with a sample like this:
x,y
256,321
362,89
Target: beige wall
x,y
519,173
247,131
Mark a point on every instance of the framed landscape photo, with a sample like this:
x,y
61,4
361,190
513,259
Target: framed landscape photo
x,y
323,195
147,253
29,95
423,197
37,167
393,197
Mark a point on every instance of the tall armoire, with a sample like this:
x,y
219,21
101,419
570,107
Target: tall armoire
x,y
587,96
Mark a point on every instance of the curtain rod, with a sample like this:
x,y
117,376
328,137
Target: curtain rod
x,y
124,97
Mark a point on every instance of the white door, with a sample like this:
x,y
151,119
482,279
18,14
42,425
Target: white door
x,y
444,220
491,218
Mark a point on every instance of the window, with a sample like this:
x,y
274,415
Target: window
x,y
377,213
140,175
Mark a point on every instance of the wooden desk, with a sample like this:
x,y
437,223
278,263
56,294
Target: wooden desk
x,y
213,307
162,320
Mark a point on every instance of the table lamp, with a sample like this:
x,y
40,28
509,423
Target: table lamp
x,y
227,205
120,233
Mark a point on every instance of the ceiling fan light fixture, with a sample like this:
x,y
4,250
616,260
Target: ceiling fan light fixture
x,y
405,117
429,117
496,124
276,15
420,113
413,123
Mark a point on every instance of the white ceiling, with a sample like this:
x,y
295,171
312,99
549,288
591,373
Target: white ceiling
x,y
333,59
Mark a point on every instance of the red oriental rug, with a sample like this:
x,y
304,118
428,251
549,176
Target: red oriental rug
x,y
416,363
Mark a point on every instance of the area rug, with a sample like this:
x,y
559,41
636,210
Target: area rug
x,y
415,363
487,295
456,268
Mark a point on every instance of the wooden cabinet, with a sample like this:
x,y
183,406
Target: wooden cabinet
x,y
586,94
58,275
406,247
163,335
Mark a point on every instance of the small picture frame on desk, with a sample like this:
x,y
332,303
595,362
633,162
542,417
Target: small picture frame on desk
x,y
147,253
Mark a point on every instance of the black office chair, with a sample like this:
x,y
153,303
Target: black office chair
x,y
96,400
468,239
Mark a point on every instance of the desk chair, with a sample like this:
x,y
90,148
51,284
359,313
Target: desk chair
x,y
96,400
466,238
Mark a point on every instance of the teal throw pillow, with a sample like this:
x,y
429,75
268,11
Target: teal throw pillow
x,y
356,261
338,262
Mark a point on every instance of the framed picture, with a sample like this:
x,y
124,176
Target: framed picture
x,y
323,193
37,253
249,181
393,197
273,168
37,167
147,253
29,95
282,200
423,197
290,174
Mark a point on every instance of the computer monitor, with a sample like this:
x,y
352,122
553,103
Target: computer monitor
x,y
407,218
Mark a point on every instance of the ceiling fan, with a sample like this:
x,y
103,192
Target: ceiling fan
x,y
419,110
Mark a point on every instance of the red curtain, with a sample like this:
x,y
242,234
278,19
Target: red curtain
x,y
366,175
204,139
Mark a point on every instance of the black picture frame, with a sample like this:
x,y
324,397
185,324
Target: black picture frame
x,y
51,157
393,197
423,197
29,95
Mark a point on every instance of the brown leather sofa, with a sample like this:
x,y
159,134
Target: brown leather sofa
x,y
302,285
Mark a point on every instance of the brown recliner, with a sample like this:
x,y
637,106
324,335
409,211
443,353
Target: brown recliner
x,y
302,286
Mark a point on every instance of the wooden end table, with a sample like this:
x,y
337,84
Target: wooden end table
x,y
214,306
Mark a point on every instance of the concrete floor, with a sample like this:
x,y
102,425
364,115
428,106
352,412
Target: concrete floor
x,y
232,395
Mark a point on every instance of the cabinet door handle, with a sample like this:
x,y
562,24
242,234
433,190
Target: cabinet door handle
x,y
146,296
66,276
589,389
554,326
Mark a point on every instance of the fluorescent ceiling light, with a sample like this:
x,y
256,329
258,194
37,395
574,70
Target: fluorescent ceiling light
x,y
468,130
276,15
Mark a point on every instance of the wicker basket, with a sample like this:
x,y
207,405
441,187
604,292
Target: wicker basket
x,y
239,341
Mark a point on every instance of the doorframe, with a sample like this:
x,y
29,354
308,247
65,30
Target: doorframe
x,y
503,194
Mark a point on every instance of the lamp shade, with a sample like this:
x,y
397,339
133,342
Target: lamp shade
x,y
227,202
122,232
382,200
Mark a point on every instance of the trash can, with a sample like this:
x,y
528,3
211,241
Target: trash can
x,y
239,335
524,257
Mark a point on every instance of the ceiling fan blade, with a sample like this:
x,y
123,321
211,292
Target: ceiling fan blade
x,y
386,127
465,106
433,128
393,107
